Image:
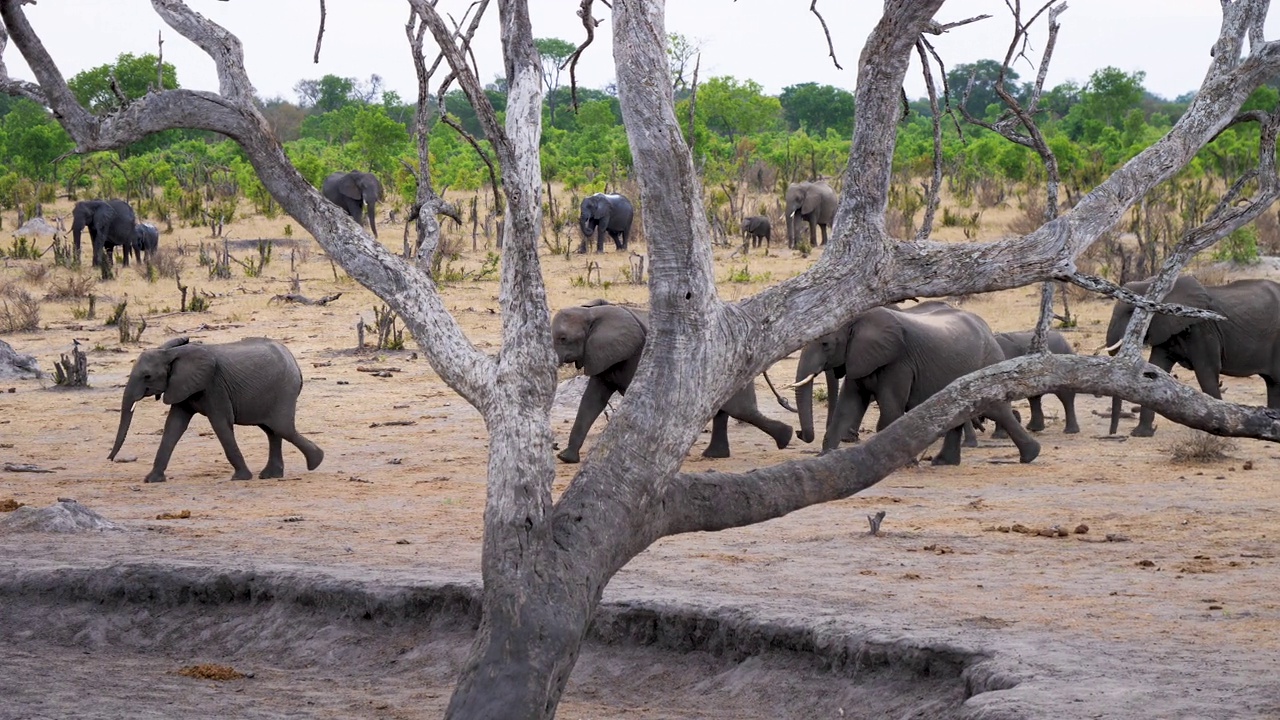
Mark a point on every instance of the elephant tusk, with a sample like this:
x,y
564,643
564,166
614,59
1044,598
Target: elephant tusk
x,y
800,383
1110,348
131,407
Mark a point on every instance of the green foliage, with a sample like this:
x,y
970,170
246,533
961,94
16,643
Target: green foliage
x,y
817,108
1239,247
21,249
743,275
980,80
135,75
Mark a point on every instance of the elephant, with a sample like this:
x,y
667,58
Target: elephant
x,y
605,341
353,190
110,224
254,381
900,358
814,203
755,229
1017,344
146,239
605,214
1246,343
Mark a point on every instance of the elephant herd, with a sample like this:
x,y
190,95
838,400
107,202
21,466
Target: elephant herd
x,y
895,356
814,203
112,224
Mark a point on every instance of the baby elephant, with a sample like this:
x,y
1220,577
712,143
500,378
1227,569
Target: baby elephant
x,y
1017,344
146,239
254,381
755,229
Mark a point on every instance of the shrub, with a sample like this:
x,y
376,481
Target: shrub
x,y
19,311
1198,446
35,273
71,286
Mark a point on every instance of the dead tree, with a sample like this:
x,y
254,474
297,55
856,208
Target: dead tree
x,y
545,564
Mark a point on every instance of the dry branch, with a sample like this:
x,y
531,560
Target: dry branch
x,y
304,300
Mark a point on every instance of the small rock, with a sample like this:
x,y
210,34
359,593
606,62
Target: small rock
x,y
402,542
1117,537
1248,464
1145,563
1082,529
1020,528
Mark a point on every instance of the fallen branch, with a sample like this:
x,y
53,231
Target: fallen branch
x,y
24,467
374,369
390,423
304,300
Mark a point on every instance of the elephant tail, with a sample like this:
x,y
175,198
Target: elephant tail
x,y
781,400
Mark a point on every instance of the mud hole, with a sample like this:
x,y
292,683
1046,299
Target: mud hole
x,y
1165,608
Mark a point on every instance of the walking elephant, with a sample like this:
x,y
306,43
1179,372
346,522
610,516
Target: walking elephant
x,y
604,341
602,215
353,191
255,381
814,203
899,358
110,224
146,239
1246,343
1017,344
756,229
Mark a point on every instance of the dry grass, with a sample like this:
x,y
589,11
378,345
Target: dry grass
x,y
210,671
71,286
35,273
168,263
19,311
1198,446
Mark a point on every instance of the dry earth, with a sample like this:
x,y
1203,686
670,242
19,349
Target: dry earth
x,y
350,591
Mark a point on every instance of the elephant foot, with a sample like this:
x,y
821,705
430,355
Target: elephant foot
x,y
851,436
568,456
714,451
154,478
313,459
1141,431
1028,452
803,437
944,458
242,475
1034,426
270,472
1072,429
997,434
781,435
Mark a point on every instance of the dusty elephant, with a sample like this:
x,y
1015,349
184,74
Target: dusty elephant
x,y
110,224
352,192
604,214
1246,343
255,381
1017,344
756,229
604,341
899,358
811,202
146,240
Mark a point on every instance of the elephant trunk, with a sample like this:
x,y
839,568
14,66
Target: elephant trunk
x,y
1115,415
804,404
132,394
369,204
587,225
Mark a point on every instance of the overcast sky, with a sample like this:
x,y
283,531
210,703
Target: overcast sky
x,y
774,42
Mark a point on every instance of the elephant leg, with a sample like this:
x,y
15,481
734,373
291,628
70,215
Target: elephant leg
x,y
1273,391
970,437
600,239
1002,414
285,429
813,234
275,457
719,447
1146,416
619,241
833,395
950,452
223,428
850,409
742,406
1068,400
593,402
1037,414
175,424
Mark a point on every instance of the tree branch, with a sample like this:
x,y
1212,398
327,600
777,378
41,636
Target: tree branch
x,y
831,50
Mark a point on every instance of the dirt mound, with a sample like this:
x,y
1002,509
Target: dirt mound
x,y
64,516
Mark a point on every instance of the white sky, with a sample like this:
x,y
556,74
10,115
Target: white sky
x,y
774,42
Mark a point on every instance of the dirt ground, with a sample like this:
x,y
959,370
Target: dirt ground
x,y
1165,607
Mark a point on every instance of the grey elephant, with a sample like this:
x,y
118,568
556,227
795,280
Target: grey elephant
x,y
1246,343
353,191
1017,344
605,341
755,230
899,358
811,202
110,224
255,381
605,214
146,240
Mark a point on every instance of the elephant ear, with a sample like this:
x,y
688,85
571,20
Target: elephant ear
x,y
190,371
349,187
1186,291
615,335
876,339
812,199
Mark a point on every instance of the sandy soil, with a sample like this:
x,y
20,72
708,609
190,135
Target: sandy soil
x,y
1176,616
